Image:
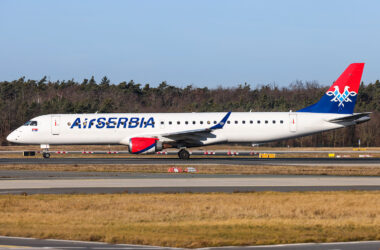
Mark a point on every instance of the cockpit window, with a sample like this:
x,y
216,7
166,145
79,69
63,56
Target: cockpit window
x,y
31,123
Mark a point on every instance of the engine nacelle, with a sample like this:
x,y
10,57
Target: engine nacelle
x,y
144,145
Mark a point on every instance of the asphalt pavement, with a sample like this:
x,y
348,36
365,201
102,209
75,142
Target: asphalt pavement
x,y
31,243
30,182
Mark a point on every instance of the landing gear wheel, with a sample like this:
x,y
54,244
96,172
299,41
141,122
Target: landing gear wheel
x,y
46,155
183,154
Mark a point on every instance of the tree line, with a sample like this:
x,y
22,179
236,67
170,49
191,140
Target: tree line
x,y
21,100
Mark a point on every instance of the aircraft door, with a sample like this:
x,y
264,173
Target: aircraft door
x,y
293,122
55,124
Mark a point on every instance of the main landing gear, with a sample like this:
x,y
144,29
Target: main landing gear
x,y
46,155
183,154
45,150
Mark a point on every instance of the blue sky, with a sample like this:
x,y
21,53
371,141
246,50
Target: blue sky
x,y
204,43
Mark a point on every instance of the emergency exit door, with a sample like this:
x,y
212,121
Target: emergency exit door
x,y
293,122
55,124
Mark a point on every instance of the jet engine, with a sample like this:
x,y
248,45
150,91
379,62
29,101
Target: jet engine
x,y
144,145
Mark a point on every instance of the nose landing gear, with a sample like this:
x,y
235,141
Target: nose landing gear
x,y
183,154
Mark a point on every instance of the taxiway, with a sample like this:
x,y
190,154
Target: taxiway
x,y
23,181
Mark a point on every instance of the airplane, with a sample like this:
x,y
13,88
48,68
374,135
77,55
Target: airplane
x,y
147,133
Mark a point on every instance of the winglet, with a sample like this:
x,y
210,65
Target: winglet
x,y
222,122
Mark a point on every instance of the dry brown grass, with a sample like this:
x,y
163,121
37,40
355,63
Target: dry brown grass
x,y
195,220
207,169
348,151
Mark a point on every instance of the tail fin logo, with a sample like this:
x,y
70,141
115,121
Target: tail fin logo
x,y
341,97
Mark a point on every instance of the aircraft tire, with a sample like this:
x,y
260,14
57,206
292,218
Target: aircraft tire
x,y
183,154
46,155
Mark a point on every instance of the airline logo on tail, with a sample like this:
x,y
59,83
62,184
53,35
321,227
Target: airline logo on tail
x,y
335,101
341,97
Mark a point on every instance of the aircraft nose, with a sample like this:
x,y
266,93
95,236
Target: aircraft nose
x,y
12,137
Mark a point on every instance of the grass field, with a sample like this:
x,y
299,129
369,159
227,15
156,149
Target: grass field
x,y
195,220
348,151
205,169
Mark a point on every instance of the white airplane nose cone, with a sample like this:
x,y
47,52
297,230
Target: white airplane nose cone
x,y
11,137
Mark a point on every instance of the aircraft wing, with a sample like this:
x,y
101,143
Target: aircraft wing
x,y
196,134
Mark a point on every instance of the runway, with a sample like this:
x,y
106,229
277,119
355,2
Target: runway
x,y
199,161
21,181
31,243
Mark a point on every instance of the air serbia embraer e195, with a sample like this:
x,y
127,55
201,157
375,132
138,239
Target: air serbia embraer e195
x,y
146,133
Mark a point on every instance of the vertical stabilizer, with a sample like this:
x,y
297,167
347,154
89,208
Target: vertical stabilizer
x,y
341,97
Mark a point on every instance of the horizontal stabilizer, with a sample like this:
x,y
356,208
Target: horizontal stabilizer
x,y
355,118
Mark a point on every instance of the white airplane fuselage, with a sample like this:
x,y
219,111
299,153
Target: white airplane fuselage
x,y
251,127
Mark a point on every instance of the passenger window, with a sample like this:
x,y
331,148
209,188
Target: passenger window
x,y
251,122
178,122
27,123
162,123
208,122
201,122
144,123
266,121
228,122
236,122
214,122
194,122
243,122
281,121
33,123
186,122
274,122
170,123
258,121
